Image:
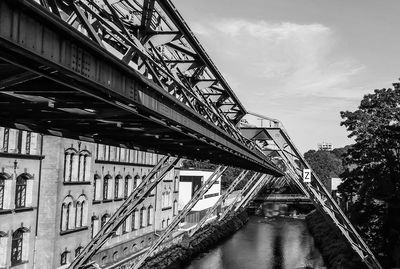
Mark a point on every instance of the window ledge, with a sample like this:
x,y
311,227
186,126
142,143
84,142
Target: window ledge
x,y
74,230
21,156
5,211
16,264
166,208
96,202
23,209
176,191
168,180
107,200
123,163
77,182
118,199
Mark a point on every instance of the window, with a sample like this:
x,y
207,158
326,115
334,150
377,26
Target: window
x,y
104,219
136,181
78,251
70,164
115,256
150,215
3,178
168,222
95,226
20,191
142,217
16,246
176,184
116,186
105,187
64,257
126,186
84,165
81,211
97,187
175,208
134,220
124,226
163,224
67,214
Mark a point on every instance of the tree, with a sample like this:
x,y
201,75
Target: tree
x,y
372,175
326,164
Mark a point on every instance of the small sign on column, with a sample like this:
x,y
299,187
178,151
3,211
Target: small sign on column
x,y
307,175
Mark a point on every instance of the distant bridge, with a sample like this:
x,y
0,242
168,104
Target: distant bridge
x,y
284,198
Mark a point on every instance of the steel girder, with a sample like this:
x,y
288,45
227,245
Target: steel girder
x,y
96,74
221,199
168,231
138,195
276,140
254,178
253,192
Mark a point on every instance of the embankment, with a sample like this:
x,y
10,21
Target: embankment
x,y
335,250
209,236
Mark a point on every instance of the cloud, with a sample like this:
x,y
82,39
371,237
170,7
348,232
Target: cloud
x,y
280,58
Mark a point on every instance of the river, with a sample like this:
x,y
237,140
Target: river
x,y
277,244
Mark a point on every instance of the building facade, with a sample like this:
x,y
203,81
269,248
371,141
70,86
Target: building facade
x,y
190,181
56,193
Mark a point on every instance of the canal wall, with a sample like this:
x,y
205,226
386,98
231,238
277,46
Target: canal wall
x,y
335,250
209,236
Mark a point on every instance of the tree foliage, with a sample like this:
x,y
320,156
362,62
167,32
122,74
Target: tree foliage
x,y
372,174
326,164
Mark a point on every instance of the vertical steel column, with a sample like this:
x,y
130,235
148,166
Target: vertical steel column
x,y
230,189
196,197
138,195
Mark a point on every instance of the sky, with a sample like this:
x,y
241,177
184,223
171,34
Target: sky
x,y
301,61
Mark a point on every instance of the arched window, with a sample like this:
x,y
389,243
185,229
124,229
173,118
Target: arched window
x,y
115,256
176,184
17,246
168,222
95,226
116,186
142,217
175,208
163,224
104,219
105,187
3,178
97,187
134,220
126,186
84,165
67,214
64,257
69,159
81,211
78,251
20,190
136,181
150,215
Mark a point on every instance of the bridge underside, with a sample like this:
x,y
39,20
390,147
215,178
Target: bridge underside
x,y
54,81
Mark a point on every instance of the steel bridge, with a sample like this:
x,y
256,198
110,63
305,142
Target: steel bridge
x,y
131,73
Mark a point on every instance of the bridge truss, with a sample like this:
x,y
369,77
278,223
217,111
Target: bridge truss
x,y
275,142
108,71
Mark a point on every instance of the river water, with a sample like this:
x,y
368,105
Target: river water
x,y
277,244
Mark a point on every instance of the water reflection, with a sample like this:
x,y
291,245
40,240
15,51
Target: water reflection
x,y
277,244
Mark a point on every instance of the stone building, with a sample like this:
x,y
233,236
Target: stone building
x,y
56,193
